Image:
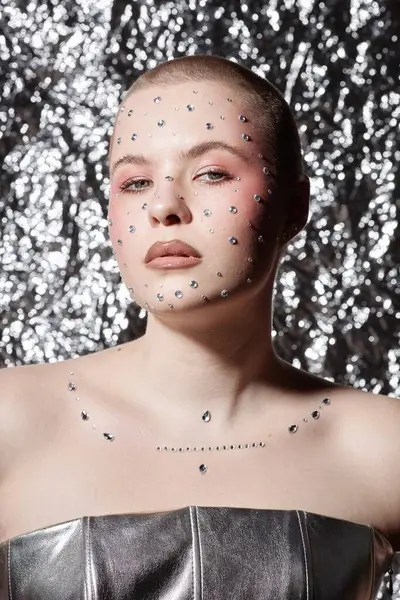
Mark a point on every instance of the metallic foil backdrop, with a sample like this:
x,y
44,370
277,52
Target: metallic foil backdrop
x,y
64,67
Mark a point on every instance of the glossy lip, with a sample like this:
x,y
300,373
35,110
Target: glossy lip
x,y
173,262
173,248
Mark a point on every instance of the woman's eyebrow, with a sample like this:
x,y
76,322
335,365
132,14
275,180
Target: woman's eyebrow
x,y
193,152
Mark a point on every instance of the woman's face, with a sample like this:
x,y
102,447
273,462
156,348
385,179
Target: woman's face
x,y
222,202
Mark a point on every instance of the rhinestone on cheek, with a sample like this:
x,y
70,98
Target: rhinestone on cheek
x,y
157,99
178,294
160,297
257,197
233,240
132,228
190,107
130,113
193,284
246,137
161,123
209,126
206,416
207,212
233,210
224,293
134,136
242,118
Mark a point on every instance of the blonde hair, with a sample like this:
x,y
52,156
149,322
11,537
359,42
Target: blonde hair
x,y
267,108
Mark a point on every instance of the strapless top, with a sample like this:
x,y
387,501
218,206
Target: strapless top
x,y
197,553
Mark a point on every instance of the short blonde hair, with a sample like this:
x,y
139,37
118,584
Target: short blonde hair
x,y
267,108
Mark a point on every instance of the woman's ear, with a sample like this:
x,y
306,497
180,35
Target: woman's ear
x,y
297,209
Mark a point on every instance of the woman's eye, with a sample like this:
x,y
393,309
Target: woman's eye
x,y
130,185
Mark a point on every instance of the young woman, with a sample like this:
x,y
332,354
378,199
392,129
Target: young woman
x,y
194,462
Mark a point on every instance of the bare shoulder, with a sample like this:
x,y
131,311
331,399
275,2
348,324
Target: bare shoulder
x,y
24,392
369,437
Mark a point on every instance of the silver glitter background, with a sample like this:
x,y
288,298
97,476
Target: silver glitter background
x,y
64,67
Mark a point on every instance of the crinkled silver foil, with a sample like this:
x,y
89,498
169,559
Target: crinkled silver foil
x,y
64,67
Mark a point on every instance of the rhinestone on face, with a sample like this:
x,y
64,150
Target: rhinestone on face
x,y
229,99
169,178
157,99
224,293
134,136
109,437
178,294
233,240
190,107
203,469
219,274
246,137
193,284
242,118
206,416
144,206
84,415
119,140
257,197
265,170
209,126
160,297
161,123
130,113
222,118
260,239
211,230
292,428
207,212
71,386
210,102
119,242
132,229
233,210
315,414
326,401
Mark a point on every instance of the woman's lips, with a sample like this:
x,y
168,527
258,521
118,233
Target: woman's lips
x,y
173,262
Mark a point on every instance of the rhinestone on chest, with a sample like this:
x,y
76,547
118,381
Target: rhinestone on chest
x,y
206,418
